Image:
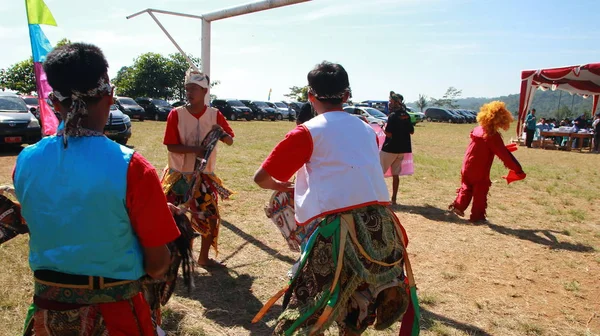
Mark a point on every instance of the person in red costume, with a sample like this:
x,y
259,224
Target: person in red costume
x,y
486,142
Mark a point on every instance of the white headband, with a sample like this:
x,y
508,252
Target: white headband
x,y
198,78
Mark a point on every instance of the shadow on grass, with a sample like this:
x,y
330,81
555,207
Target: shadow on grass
x,y
250,239
428,321
548,238
228,299
431,212
539,236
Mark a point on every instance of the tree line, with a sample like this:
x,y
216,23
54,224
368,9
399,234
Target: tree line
x,y
156,76
151,75
20,77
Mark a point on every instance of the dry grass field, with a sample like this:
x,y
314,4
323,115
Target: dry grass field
x,y
533,269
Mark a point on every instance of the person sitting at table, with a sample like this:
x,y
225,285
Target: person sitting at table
x,y
543,125
578,124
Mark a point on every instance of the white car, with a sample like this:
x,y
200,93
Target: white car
x,y
380,119
282,111
17,124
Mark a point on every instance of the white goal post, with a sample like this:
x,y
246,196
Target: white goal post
x,y
210,17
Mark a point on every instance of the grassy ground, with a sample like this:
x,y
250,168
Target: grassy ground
x,y
532,270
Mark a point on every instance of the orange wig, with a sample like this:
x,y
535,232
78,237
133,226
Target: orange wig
x,y
493,116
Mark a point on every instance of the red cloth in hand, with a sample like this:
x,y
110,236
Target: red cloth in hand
x,y
512,176
512,147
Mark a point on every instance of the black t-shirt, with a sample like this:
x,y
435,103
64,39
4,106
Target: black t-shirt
x,y
400,126
306,113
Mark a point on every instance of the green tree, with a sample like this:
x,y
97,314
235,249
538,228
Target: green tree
x,y
62,42
151,77
19,77
422,102
448,99
156,76
177,65
298,93
124,81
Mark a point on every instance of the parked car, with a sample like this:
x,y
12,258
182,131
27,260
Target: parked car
x,y
363,118
439,114
296,106
381,105
32,103
233,109
360,111
280,113
17,124
118,126
260,109
458,117
371,112
285,110
468,117
178,103
415,117
130,108
156,109
471,113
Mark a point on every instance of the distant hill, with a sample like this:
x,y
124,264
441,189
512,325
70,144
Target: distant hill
x,y
545,103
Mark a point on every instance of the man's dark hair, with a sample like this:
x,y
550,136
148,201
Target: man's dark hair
x,y
75,67
329,82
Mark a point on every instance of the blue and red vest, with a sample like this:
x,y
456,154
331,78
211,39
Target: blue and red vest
x,y
74,202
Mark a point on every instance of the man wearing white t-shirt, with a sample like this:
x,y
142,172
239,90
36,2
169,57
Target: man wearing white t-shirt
x,y
353,252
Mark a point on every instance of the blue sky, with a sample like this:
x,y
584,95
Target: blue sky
x,y
409,46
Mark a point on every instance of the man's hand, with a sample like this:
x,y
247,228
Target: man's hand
x,y
265,181
217,126
284,186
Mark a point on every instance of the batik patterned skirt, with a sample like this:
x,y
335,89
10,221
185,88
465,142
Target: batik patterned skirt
x,y
63,311
351,272
204,204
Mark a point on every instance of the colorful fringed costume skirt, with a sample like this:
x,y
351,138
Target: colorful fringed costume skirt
x,y
62,310
351,272
203,202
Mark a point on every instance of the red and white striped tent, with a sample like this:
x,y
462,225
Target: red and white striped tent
x,y
583,80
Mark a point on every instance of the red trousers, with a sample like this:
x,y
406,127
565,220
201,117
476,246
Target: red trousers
x,y
476,190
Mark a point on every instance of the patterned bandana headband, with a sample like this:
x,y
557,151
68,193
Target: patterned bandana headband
x,y
339,95
78,109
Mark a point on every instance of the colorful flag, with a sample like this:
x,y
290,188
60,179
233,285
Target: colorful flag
x,y
38,13
269,98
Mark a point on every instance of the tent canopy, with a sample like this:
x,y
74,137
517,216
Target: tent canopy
x,y
582,80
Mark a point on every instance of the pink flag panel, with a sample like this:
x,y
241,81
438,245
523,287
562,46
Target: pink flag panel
x,y
48,118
